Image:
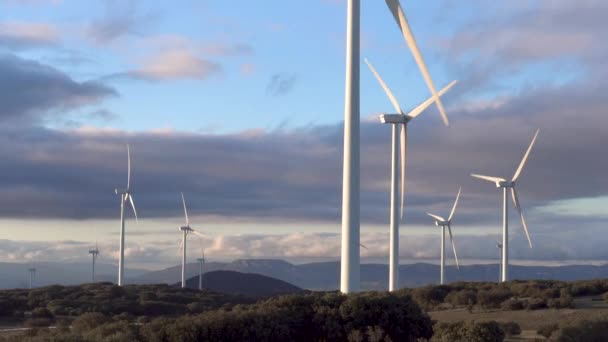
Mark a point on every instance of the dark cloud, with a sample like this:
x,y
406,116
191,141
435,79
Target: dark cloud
x,y
30,90
281,84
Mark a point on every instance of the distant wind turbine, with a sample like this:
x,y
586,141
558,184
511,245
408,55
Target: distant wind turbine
x,y
32,271
398,119
499,246
505,184
94,253
443,223
201,263
125,196
185,231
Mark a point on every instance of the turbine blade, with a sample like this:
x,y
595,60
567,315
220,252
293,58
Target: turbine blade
x,y
403,147
488,178
185,210
197,233
385,87
362,245
424,105
128,167
399,16
453,245
436,217
523,161
180,247
521,214
455,204
133,206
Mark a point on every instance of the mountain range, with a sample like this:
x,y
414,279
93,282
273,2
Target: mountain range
x,y
313,276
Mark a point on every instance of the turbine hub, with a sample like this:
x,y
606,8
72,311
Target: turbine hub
x,y
505,184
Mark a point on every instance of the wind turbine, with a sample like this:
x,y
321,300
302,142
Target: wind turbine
x,y
94,253
32,271
499,246
201,262
185,231
399,119
125,196
505,184
350,260
443,223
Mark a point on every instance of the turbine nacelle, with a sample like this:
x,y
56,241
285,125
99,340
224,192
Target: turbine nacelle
x,y
442,223
94,251
121,191
395,118
186,229
505,184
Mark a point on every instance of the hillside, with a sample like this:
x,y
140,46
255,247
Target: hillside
x,y
326,275
244,284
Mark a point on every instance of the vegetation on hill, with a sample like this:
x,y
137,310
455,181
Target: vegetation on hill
x,y
105,312
244,284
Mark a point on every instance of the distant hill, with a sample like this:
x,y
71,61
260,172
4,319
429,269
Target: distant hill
x,y
243,284
312,276
15,275
326,275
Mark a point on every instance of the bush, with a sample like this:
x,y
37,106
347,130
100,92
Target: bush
x,y
513,304
42,312
536,304
89,321
583,331
510,328
469,331
547,329
460,298
493,298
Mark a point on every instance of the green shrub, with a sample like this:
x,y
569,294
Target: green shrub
x,y
513,304
468,331
510,328
584,330
547,329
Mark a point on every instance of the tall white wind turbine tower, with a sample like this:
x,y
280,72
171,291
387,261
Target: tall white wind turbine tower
x,y
350,267
396,213
505,185
32,271
125,196
443,223
94,253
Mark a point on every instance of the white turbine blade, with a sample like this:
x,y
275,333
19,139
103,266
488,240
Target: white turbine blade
x,y
133,206
197,233
128,167
385,87
455,204
403,147
436,217
523,161
185,211
180,247
453,245
488,178
521,214
397,12
424,105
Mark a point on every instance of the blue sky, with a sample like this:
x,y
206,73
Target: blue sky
x,y
240,106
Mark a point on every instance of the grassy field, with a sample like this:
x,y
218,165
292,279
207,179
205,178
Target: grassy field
x,y
529,321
